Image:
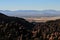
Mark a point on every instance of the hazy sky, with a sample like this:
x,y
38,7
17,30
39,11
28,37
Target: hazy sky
x,y
29,4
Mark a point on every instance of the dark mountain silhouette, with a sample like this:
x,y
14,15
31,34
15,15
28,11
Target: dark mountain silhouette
x,y
2,15
14,28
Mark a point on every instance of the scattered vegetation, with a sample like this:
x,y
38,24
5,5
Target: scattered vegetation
x,y
13,28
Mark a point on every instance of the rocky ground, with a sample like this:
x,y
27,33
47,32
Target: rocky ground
x,y
14,28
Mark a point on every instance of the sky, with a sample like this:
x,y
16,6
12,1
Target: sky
x,y
29,4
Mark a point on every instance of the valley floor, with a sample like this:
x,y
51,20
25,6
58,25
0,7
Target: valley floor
x,y
41,19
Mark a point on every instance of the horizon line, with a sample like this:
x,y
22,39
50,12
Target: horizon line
x,y
29,9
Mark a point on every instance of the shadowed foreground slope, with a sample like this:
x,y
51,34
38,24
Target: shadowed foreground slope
x,y
13,28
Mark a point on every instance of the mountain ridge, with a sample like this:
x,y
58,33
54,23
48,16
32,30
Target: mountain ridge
x,y
31,13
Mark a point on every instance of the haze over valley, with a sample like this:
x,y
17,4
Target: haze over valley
x,y
31,13
34,15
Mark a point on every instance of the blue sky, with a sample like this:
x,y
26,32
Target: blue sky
x,y
29,4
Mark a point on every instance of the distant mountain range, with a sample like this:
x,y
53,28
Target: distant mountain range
x,y
31,13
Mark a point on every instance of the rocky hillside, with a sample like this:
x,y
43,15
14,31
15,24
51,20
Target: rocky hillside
x,y
13,28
